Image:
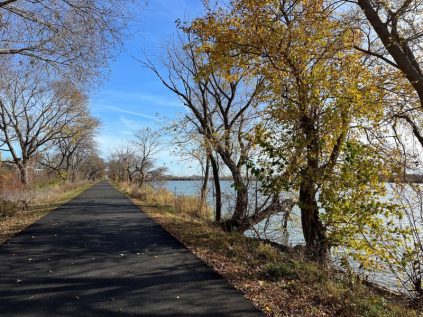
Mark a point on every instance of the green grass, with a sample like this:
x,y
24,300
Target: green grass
x,y
282,270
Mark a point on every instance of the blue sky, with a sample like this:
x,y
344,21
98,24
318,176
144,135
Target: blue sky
x,y
132,97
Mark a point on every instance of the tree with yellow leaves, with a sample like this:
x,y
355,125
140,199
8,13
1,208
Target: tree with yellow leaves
x,y
321,97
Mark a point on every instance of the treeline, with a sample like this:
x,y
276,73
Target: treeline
x,y
135,161
317,98
51,54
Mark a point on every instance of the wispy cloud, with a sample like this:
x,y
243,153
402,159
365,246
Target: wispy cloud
x,y
140,98
134,113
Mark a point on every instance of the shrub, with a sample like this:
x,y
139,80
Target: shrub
x,y
268,252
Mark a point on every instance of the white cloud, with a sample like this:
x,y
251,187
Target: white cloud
x,y
134,113
140,98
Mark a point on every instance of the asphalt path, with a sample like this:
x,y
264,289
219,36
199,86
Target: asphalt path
x,y
98,255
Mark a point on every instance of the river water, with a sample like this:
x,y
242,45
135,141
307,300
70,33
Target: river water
x,y
272,229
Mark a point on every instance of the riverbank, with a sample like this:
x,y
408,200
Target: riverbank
x,y
279,283
20,209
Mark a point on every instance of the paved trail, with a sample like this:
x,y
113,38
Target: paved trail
x,y
98,255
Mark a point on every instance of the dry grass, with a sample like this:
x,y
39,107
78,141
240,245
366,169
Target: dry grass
x,y
278,283
179,204
20,208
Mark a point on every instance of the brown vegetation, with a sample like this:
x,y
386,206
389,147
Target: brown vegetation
x,y
279,283
20,208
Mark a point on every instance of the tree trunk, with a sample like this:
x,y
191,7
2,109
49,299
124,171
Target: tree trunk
x,y
218,191
73,175
400,53
203,192
236,223
141,180
313,229
417,287
241,205
276,206
23,177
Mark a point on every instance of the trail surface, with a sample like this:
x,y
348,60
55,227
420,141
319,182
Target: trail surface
x,y
98,255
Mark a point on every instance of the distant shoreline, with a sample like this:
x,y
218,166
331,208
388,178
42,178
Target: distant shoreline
x,y
409,178
192,178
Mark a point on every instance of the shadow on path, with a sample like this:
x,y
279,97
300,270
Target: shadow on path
x,y
98,255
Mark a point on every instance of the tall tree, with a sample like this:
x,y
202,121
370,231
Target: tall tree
x,y
190,145
146,144
223,107
320,96
61,154
35,112
135,161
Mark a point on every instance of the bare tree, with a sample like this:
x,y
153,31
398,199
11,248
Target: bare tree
x,y
117,165
223,109
74,36
135,161
191,145
34,112
146,146
61,156
93,166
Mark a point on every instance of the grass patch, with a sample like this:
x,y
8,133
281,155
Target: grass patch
x,y
282,270
22,209
278,283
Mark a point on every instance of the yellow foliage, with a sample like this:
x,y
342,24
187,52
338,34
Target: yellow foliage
x,y
320,98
